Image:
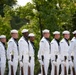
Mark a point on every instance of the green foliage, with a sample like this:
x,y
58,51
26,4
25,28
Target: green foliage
x,y
51,14
6,2
74,22
55,15
5,26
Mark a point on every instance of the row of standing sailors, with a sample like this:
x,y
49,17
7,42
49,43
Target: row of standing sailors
x,y
55,51
21,52
61,54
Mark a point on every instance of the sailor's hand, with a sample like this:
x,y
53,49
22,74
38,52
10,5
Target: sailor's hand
x,y
54,62
10,62
40,61
29,64
21,64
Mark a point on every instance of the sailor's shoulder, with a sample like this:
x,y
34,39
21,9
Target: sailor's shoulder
x,y
43,40
62,41
53,41
10,40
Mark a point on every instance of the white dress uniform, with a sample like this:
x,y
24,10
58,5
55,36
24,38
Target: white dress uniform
x,y
71,59
64,53
72,54
55,50
31,54
12,50
44,50
64,48
2,58
24,51
71,49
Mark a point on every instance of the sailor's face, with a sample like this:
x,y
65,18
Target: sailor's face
x,y
14,35
67,36
26,34
57,36
46,35
3,40
32,38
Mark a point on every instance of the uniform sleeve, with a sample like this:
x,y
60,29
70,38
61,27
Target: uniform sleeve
x,y
2,52
22,47
52,51
52,48
31,49
9,50
42,48
61,47
71,48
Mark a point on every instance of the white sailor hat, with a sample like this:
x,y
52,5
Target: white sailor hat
x,y
24,31
31,35
2,36
56,32
74,32
46,31
65,32
14,31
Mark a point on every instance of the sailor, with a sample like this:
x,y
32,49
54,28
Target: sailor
x,y
73,34
31,52
44,51
64,46
12,52
71,49
72,54
2,54
55,52
24,52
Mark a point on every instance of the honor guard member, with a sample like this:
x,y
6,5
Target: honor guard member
x,y
72,41
24,52
12,52
72,54
64,46
71,49
44,52
2,54
73,34
55,52
31,52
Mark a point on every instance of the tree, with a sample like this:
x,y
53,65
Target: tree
x,y
55,15
51,14
16,22
5,26
6,2
41,14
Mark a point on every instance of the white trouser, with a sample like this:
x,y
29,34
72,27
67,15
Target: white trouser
x,y
75,64
64,64
2,66
58,66
46,65
14,64
32,65
70,65
25,67
53,67
21,65
45,62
